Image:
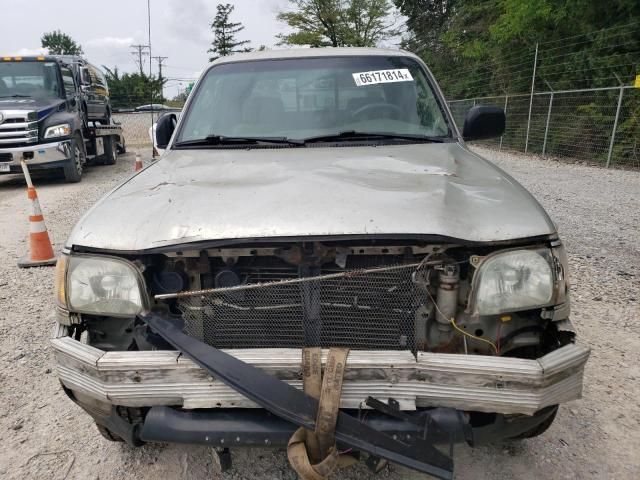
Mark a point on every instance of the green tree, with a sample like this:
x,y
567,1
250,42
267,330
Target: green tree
x,y
59,43
485,47
339,23
224,33
128,90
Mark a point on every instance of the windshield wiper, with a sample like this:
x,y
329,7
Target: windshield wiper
x,y
224,140
355,135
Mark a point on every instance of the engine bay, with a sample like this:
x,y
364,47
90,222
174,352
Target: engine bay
x,y
391,296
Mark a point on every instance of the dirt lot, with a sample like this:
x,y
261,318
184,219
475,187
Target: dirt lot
x,y
44,435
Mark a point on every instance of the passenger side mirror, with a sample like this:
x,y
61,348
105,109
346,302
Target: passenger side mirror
x,y
483,122
85,78
164,129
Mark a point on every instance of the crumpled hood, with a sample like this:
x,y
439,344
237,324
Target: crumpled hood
x,y
44,106
198,195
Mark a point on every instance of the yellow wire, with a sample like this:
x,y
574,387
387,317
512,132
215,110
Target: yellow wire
x,y
453,322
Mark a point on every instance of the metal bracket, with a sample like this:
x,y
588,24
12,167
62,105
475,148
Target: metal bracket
x,y
293,405
393,410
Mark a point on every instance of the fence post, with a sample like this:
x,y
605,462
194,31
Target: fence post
x,y
546,128
533,85
506,102
615,126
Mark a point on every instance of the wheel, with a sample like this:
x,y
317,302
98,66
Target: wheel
x,y
538,429
106,433
110,153
75,165
121,146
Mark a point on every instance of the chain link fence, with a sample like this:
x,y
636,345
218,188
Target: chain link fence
x,y
136,126
600,125
137,117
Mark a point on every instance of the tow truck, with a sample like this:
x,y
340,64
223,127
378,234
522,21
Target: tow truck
x,y
45,119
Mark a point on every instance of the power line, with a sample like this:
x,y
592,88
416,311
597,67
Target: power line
x,y
140,51
160,60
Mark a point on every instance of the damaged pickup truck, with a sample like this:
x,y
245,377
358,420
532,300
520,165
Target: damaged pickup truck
x,y
311,201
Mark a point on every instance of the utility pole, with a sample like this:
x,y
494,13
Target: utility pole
x,y
160,60
140,51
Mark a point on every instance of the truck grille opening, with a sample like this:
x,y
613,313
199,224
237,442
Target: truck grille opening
x,y
18,130
363,308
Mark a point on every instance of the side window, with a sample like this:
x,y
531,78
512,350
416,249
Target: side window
x,y
96,76
68,82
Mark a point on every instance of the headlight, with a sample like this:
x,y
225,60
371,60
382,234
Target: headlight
x,y
514,280
63,130
103,286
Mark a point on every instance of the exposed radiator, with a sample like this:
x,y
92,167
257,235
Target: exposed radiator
x,y
372,308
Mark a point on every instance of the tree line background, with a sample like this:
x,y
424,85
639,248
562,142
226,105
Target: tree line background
x,y
475,48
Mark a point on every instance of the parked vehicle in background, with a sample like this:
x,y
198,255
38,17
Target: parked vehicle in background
x,y
95,90
54,114
156,107
310,199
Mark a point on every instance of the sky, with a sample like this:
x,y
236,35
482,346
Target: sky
x,y
180,30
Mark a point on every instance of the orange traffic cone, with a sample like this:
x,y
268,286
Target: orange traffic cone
x,y
138,162
40,249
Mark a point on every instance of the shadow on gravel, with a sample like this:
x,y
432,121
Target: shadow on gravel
x,y
47,178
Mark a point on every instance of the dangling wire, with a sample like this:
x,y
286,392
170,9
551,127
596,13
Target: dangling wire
x,y
453,322
466,334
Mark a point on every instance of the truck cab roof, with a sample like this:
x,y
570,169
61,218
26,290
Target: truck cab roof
x,y
312,53
44,58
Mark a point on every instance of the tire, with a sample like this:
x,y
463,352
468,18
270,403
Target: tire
x,y
106,433
538,429
110,153
121,146
74,167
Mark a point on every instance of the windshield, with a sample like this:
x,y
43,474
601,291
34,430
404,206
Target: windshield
x,y
29,79
314,97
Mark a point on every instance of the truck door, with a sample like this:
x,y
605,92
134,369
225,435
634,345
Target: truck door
x,y
97,93
70,89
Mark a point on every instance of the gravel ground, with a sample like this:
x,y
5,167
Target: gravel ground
x,y
44,435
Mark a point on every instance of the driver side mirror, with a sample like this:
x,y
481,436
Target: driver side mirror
x,y
85,78
483,122
164,129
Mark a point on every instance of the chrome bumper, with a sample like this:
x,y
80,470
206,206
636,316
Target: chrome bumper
x,y
43,154
466,382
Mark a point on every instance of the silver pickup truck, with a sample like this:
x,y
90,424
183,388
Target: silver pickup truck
x,y
319,198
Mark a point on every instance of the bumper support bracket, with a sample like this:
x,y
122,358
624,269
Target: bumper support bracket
x,y
293,405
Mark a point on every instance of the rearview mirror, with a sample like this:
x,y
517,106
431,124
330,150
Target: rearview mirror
x,y
164,129
85,78
483,122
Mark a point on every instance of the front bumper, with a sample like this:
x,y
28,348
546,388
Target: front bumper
x,y
45,155
238,427
464,382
